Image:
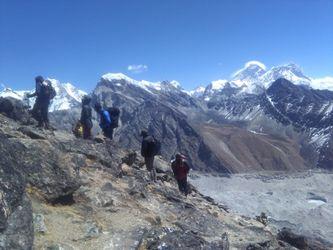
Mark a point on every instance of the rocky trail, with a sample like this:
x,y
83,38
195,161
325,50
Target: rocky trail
x,y
59,192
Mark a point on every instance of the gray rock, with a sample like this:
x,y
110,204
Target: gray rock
x,y
39,223
92,230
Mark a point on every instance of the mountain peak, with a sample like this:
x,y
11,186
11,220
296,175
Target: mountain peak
x,y
117,76
291,72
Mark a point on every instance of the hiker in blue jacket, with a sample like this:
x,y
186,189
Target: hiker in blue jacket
x,y
105,121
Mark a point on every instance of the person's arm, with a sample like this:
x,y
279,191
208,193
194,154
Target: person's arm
x,y
32,95
186,167
144,146
82,115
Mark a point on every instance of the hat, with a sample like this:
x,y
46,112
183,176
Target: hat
x,y
98,106
39,79
144,133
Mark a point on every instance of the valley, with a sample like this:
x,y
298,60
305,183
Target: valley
x,y
302,201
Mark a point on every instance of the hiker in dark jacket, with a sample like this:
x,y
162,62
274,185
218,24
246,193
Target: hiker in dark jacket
x,y
105,121
86,119
148,152
43,98
180,170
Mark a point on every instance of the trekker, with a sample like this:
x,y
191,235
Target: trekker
x,y
44,93
105,121
180,170
148,151
86,119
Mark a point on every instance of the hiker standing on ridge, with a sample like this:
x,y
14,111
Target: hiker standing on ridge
x,y
148,151
44,93
105,121
180,170
86,119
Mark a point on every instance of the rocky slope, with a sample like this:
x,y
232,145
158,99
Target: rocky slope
x,y
59,192
164,110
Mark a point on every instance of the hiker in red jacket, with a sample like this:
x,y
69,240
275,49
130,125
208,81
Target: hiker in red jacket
x,y
180,170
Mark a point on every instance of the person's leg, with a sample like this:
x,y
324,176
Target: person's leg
x,y
36,112
154,177
149,161
45,114
86,132
179,185
110,133
183,186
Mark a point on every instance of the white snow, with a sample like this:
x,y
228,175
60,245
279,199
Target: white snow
x,y
146,85
322,83
197,91
320,137
175,83
218,84
8,92
290,72
117,76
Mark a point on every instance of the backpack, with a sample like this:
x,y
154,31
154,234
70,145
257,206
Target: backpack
x,y
47,90
78,130
114,115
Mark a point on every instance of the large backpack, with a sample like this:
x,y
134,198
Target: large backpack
x,y
114,115
47,90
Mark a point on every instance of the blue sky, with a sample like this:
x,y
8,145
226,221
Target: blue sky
x,y
192,41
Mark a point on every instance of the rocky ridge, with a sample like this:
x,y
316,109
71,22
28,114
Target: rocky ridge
x,y
61,192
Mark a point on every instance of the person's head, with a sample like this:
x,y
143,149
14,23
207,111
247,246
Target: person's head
x,y
39,79
98,107
179,157
86,99
144,133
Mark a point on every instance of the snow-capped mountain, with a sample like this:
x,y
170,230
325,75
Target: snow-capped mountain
x,y
249,78
120,79
254,78
290,72
67,96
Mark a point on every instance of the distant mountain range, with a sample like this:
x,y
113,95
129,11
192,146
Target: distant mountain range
x,y
67,96
254,78
276,119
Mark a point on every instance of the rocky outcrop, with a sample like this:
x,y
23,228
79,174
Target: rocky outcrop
x,y
302,242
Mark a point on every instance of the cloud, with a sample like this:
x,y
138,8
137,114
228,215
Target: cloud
x,y
323,83
248,64
137,68
257,63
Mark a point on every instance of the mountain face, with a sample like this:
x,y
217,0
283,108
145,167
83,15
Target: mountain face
x,y
162,108
281,107
67,96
